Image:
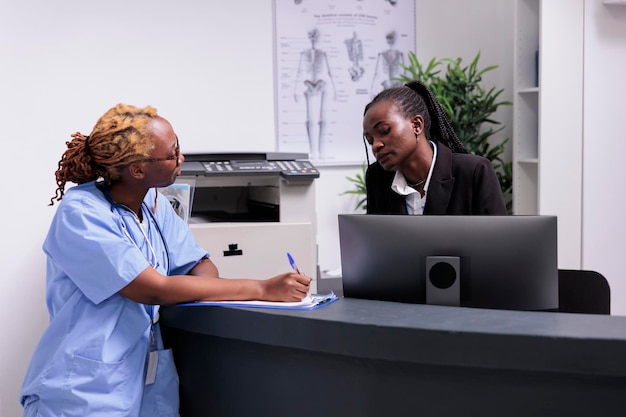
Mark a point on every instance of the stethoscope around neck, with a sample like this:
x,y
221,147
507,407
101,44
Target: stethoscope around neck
x,y
154,262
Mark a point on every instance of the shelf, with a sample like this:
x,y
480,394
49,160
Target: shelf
x,y
525,177
526,127
526,138
548,105
526,43
528,90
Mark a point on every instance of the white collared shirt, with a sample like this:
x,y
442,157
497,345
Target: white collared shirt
x,y
413,199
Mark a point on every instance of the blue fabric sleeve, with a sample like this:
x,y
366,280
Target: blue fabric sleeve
x,y
86,243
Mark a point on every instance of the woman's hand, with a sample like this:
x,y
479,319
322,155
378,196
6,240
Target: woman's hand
x,y
290,286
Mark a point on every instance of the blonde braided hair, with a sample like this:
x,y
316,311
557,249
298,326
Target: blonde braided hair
x,y
119,137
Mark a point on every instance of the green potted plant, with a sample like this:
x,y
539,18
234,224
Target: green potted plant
x,y
358,181
470,107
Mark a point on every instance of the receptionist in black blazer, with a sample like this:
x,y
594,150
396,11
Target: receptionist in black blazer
x,y
421,166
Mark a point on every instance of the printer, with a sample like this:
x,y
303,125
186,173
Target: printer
x,y
249,209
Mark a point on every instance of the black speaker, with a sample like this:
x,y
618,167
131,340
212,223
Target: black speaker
x,y
443,283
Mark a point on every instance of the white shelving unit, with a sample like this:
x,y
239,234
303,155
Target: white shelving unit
x,y
526,107
547,117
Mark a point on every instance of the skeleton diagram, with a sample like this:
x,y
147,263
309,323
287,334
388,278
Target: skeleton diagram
x,y
388,66
355,53
314,68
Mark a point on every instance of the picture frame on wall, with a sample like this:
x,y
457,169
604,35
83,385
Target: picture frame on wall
x,y
331,58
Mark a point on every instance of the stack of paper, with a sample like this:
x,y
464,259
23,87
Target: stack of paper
x,y
310,302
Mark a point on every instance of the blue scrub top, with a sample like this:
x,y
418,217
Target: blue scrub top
x,y
91,358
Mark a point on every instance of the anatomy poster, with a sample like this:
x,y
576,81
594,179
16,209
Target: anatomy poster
x,y
331,58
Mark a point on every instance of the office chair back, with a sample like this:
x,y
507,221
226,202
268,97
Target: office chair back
x,y
583,291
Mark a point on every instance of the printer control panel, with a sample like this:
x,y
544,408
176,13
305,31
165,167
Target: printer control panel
x,y
284,168
287,168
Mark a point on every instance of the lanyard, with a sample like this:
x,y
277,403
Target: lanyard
x,y
153,320
154,261
151,258
144,209
152,310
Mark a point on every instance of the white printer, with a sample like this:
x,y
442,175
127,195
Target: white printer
x,y
249,209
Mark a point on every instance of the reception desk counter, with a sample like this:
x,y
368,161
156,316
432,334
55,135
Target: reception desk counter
x,y
373,358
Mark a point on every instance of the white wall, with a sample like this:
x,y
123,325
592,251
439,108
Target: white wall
x,y
561,123
206,66
604,223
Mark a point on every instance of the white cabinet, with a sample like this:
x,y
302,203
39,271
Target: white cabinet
x,y
547,117
258,250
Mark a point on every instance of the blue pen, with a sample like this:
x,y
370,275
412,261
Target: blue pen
x,y
292,263
295,268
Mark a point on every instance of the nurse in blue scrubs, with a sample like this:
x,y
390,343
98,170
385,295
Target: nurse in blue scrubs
x,y
116,250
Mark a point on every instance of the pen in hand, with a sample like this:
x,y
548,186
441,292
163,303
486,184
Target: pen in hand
x,y
292,263
295,268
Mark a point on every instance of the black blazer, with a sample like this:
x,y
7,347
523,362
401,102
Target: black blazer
x,y
461,184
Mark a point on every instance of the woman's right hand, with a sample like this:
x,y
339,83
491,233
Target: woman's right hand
x,y
290,287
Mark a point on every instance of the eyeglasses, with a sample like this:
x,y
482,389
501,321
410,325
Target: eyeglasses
x,y
176,156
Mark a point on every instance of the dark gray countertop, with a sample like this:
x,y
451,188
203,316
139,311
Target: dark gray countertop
x,y
430,335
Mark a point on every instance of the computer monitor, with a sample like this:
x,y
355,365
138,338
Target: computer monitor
x,y
499,262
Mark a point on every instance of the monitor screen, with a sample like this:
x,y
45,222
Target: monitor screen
x,y
500,262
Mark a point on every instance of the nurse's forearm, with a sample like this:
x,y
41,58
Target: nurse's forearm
x,y
151,287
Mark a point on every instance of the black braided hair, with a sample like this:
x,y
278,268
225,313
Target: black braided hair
x,y
415,98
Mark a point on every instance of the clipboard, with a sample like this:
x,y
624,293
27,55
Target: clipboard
x,y
310,302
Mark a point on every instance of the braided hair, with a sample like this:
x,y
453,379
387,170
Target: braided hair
x,y
120,136
415,98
